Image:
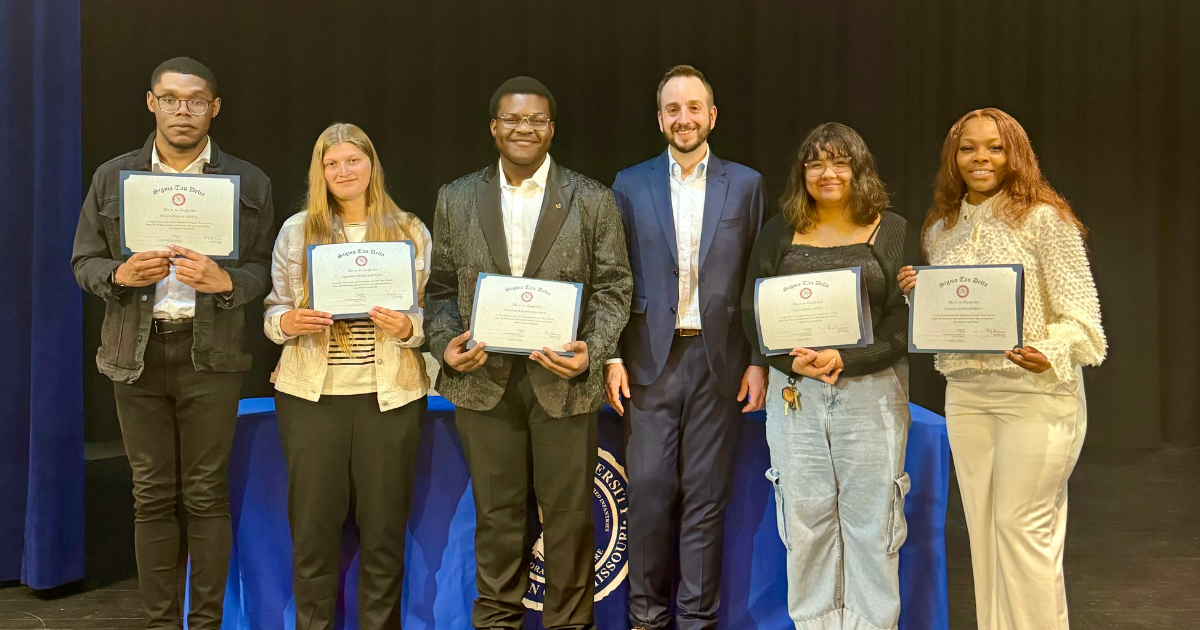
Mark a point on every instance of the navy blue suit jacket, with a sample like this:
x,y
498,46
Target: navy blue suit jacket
x,y
733,207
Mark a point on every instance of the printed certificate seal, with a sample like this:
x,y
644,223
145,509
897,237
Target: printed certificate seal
x,y
610,505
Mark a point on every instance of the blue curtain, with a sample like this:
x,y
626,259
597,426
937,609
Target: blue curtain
x,y
41,389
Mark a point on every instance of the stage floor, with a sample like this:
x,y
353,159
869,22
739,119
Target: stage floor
x,y
1132,562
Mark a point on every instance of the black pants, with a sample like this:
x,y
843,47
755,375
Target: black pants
x,y
507,448
680,446
178,425
346,456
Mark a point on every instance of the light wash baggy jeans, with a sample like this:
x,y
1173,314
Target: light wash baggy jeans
x,y
837,465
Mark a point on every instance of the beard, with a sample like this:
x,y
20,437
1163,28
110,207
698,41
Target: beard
x,y
699,138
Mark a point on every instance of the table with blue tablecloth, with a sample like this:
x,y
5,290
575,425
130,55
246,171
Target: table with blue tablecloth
x,y
439,581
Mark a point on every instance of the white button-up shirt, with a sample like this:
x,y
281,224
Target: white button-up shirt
x,y
687,207
172,298
521,207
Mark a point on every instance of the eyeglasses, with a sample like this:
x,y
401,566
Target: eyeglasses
x,y
170,105
537,122
815,168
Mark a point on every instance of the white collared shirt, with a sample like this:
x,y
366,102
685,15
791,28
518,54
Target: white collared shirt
x,y
172,298
687,208
521,207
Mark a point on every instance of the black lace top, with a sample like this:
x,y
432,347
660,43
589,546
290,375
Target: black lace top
x,y
893,248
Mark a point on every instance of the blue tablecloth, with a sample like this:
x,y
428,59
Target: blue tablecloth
x,y
439,582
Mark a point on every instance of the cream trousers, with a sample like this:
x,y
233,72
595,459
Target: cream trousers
x,y
1014,447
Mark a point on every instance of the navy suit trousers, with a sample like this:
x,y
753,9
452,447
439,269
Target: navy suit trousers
x,y
681,437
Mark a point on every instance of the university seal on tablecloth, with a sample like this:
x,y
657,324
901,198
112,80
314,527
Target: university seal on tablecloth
x,y
609,511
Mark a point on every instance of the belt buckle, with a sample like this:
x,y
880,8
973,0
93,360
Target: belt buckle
x,y
687,332
156,327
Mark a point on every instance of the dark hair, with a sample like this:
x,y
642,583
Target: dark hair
x,y
683,70
868,196
522,85
185,65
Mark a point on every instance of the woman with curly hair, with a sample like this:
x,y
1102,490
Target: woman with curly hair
x,y
1016,421
837,459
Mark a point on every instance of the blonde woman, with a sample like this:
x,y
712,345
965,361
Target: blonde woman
x,y
349,393
1016,421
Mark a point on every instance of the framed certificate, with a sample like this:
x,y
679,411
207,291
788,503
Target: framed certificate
x,y
519,315
199,212
823,309
348,279
973,309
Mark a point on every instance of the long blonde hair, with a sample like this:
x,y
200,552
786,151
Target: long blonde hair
x,y
323,223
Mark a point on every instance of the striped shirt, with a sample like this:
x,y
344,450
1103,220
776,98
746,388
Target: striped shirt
x,y
353,373
362,344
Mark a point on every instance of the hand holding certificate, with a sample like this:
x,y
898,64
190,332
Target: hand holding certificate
x,y
347,280
515,315
199,212
824,309
973,309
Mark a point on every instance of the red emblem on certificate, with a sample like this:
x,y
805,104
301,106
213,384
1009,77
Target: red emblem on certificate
x,y
178,199
806,293
527,297
360,261
963,291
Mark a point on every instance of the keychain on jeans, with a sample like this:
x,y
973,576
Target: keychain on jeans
x,y
791,397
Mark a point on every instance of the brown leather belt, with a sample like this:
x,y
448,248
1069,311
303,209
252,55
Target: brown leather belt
x,y
168,326
688,332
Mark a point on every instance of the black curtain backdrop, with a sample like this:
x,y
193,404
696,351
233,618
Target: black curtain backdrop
x,y
1108,91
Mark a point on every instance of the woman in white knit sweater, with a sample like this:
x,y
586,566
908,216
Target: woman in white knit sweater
x,y
1016,421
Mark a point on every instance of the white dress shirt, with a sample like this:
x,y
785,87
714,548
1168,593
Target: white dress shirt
x,y
687,207
172,298
521,207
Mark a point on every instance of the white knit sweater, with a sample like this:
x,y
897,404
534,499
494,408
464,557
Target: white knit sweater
x,y
1062,311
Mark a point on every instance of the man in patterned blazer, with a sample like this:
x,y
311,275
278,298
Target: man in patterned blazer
x,y
528,420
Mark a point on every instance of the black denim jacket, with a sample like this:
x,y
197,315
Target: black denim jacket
x,y
219,324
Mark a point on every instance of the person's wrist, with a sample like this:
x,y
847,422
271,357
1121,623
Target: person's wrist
x,y
226,286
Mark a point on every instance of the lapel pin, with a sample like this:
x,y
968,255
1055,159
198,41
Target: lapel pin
x,y
558,205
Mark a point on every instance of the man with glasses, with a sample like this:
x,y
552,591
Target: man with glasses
x,y
685,366
528,419
172,342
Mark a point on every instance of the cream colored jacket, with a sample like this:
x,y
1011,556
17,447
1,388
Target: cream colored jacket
x,y
1062,310
399,366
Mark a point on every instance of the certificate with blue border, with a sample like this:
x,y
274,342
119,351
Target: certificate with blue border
x,y
199,212
347,280
818,310
515,315
975,309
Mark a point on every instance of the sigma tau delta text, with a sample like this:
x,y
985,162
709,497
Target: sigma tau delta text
x,y
177,188
806,283
962,280
541,290
359,252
